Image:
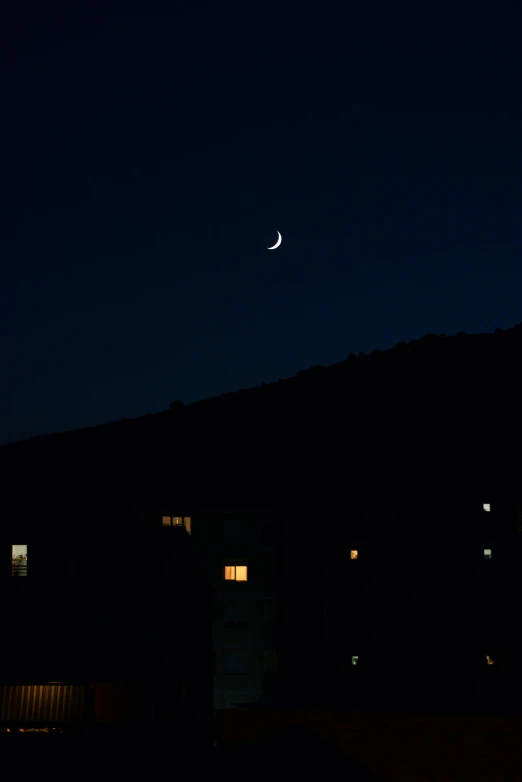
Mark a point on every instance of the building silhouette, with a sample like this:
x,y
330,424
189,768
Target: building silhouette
x,y
394,600
159,610
106,624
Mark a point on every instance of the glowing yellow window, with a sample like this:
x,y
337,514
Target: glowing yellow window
x,y
177,521
166,521
188,524
354,554
489,660
236,573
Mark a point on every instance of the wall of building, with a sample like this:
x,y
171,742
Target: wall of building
x,y
419,608
123,606
244,622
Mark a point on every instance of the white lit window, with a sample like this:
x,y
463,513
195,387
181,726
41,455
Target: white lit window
x,y
236,573
19,560
487,507
487,553
166,521
355,659
354,554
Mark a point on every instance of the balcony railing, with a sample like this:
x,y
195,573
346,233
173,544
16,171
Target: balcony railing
x,y
47,704
19,566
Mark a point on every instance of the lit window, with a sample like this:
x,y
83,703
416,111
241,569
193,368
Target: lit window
x,y
19,560
487,553
178,521
487,507
489,661
236,573
235,661
354,554
355,659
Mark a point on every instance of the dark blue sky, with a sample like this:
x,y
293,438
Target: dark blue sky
x,y
149,156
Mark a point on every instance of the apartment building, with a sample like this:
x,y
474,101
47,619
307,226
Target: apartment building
x,y
419,601
390,599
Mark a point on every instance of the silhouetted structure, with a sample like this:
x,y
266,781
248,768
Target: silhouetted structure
x,y
401,601
391,601
109,625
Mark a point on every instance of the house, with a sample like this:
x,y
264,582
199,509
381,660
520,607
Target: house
x,y
106,622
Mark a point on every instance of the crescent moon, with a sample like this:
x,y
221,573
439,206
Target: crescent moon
x,y
276,245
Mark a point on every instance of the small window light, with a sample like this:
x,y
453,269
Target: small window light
x,y
354,554
487,553
489,661
177,521
355,659
188,524
487,507
166,521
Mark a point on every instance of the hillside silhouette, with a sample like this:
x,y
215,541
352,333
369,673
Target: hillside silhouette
x,y
438,413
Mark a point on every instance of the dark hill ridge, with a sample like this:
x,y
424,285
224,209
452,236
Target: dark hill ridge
x,y
436,411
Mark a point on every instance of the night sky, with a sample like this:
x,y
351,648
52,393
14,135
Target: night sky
x,y
151,151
